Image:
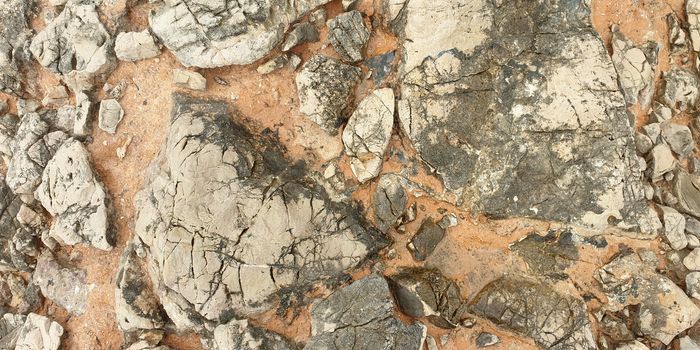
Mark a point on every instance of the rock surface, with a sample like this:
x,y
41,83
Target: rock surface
x,y
65,285
14,37
348,35
636,67
111,114
39,333
135,46
389,202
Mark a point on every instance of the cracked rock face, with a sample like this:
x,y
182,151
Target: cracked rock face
x,y
324,86
229,224
361,316
238,334
76,46
636,67
14,36
74,195
664,310
524,119
692,8
211,34
348,35
368,132
553,320
389,202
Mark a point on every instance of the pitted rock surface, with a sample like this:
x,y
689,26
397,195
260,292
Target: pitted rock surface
x,y
521,120
211,34
229,223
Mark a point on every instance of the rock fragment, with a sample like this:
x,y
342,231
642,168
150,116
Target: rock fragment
x,y
136,46
110,115
65,285
692,260
72,193
678,137
676,34
8,128
426,239
10,327
39,333
136,305
240,335
348,35
15,33
273,64
389,202
81,122
189,79
674,228
634,345
18,247
302,33
56,96
636,67
692,9
687,189
324,86
360,316
680,89
367,134
486,339
662,161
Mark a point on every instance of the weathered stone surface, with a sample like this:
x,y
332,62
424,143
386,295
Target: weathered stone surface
x,y
692,8
524,119
692,260
63,284
687,190
136,305
56,96
678,137
676,34
136,46
111,113
680,89
205,34
348,35
389,202
73,193
634,345
18,247
39,333
18,296
426,239
425,293
302,33
636,68
360,316
14,37
238,334
552,320
273,64
324,86
692,285
10,327
381,66
486,339
189,79
688,343
663,308
662,161
674,228
549,255
230,225
367,134
8,128
76,46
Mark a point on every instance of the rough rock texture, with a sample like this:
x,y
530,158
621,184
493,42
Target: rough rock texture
x,y
674,228
302,33
135,46
348,35
76,46
39,333
136,305
10,327
360,316
8,128
390,201
368,132
189,79
73,193
324,86
14,37
693,11
111,113
18,247
678,137
687,190
549,255
681,89
229,223
238,334
524,119
426,239
553,320
663,308
215,34
65,285
636,67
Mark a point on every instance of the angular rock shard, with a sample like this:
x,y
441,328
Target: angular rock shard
x,y
14,36
238,334
389,202
209,34
360,316
348,35
73,193
229,224
111,113
553,320
524,119
136,46
39,333
18,247
64,285
636,67
136,305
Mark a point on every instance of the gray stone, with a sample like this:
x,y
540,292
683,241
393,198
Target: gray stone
x,y
15,33
8,128
692,260
680,89
230,225
550,136
325,86
273,64
136,46
674,228
39,333
660,113
302,33
692,226
553,320
634,345
18,296
136,305
207,35
348,35
692,285
189,79
692,9
389,202
486,339
110,115
662,161
663,310
381,66
636,68
676,34
74,195
368,132
426,239
65,285
81,121
678,137
240,335
653,130
18,245
551,254
687,189
76,47
360,316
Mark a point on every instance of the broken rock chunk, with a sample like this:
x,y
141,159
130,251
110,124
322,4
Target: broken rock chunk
x,y
302,33
692,260
14,35
136,305
240,335
680,89
189,79
10,327
674,228
136,46
662,161
39,333
360,316
553,320
692,9
368,132
389,202
426,239
64,285
678,137
207,35
636,68
687,190
72,193
676,34
348,35
111,113
324,86
692,285
18,247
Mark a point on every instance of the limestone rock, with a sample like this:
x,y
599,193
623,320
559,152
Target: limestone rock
x,y
678,137
662,161
10,327
692,9
636,68
207,35
692,285
273,64
229,224
15,34
76,46
680,89
664,310
634,345
687,343
674,228
687,190
324,86
348,35
692,260
56,96
676,34
363,308
426,239
549,136
81,122
189,79
238,334
552,320
389,202
65,285
136,305
18,296
111,113
302,33
73,193
136,46
8,128
18,247
39,333
367,134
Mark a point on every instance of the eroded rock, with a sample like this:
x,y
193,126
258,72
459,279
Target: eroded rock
x,y
636,67
687,190
39,333
189,79
136,305
18,247
136,46
680,89
348,35
240,335
302,33
390,201
678,137
426,239
63,284
14,37
111,113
